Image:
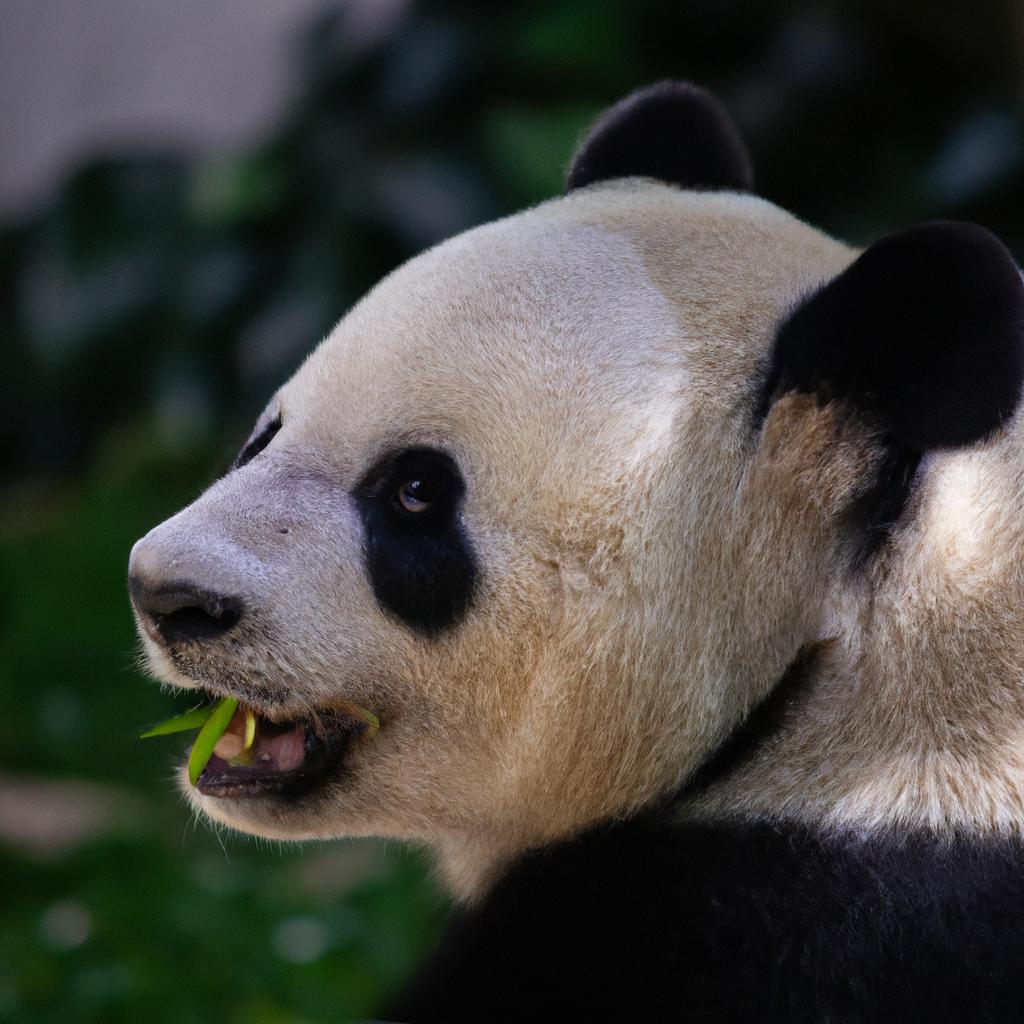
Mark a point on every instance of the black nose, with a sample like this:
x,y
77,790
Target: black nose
x,y
183,611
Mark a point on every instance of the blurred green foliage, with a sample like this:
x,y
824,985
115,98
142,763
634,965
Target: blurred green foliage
x,y
150,311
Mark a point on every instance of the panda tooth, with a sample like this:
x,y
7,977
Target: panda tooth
x,y
250,730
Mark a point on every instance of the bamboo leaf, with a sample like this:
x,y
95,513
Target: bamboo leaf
x,y
372,721
211,732
193,719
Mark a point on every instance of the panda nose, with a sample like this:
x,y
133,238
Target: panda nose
x,y
176,609
182,611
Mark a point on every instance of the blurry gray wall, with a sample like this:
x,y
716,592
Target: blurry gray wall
x,y
80,78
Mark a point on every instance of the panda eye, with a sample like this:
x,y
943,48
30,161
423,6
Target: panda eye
x,y
418,557
258,442
416,495
421,486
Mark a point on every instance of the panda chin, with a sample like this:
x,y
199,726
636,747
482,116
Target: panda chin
x,y
287,759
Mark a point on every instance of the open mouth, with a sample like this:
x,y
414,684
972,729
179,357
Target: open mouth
x,y
256,757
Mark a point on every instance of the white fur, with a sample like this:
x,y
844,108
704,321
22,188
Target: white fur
x,y
650,563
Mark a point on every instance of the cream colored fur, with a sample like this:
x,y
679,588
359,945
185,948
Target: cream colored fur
x,y
650,563
916,715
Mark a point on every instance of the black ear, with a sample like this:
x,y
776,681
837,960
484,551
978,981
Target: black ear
x,y
672,131
924,331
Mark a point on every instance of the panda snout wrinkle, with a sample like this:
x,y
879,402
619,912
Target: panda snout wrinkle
x,y
183,611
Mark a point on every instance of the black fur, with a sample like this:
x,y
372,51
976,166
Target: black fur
x,y
924,331
651,921
421,565
671,131
879,508
256,444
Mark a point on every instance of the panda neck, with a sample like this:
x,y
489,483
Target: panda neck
x,y
467,865
927,735
920,727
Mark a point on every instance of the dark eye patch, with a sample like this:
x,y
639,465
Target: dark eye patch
x,y
420,563
257,443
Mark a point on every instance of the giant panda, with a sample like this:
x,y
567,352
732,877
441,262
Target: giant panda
x,y
679,550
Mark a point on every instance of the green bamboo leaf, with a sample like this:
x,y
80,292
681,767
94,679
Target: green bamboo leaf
x,y
211,732
180,723
362,714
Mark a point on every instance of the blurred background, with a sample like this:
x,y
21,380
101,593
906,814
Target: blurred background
x,y
191,194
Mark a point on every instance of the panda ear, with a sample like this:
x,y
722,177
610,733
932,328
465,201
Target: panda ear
x,y
924,331
672,131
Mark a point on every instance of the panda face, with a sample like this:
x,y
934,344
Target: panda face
x,y
561,499
475,509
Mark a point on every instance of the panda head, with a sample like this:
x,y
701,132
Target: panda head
x,y
561,499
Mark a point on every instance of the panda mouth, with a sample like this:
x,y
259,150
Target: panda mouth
x,y
284,758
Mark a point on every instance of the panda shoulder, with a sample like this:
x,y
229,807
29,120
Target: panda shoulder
x,y
756,921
